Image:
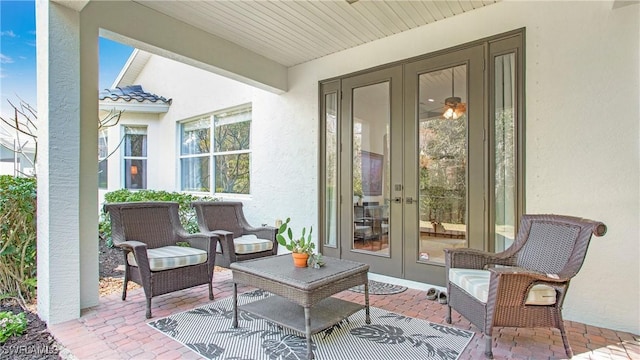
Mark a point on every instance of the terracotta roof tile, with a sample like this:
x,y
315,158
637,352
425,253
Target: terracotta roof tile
x,y
131,92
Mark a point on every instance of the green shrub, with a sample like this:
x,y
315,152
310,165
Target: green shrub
x,y
187,214
11,325
17,237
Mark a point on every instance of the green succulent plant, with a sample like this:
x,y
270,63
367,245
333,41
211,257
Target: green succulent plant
x,y
302,244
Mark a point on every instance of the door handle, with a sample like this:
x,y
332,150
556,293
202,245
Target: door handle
x,y
397,200
409,200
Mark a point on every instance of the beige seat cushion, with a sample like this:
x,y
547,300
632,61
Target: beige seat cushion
x,y
171,257
249,244
476,283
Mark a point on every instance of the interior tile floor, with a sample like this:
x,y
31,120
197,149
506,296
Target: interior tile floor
x,y
116,329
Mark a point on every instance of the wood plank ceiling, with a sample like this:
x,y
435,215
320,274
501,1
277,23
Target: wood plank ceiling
x,y
294,32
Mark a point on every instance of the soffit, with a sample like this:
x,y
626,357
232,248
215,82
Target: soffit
x,y
294,32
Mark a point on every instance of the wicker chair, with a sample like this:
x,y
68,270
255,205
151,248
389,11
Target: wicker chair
x,y
238,240
525,285
148,233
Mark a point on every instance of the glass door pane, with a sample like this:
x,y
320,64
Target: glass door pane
x,y
444,160
504,149
331,168
442,156
371,122
371,138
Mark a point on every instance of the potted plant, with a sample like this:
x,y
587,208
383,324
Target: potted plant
x,y
301,247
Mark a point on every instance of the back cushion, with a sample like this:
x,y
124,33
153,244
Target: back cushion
x,y
548,247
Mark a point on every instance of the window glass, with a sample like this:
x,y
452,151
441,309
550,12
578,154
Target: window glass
x,y
505,150
442,163
232,131
232,174
135,157
331,169
195,155
135,142
103,152
195,137
195,173
229,153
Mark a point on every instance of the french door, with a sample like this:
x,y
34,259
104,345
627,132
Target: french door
x,y
372,136
422,156
443,160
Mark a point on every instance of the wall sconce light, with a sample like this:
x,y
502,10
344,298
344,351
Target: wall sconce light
x,y
134,170
453,106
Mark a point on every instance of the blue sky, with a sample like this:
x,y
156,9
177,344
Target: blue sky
x,y
18,55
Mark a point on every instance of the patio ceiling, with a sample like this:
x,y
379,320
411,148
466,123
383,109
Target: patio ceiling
x,y
294,32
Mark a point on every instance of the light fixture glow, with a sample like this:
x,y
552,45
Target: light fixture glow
x,y
454,108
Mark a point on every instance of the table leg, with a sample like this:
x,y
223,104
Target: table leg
x,y
235,305
307,331
366,302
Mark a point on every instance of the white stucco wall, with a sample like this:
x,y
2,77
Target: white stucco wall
x,y
157,151
582,79
582,129
196,92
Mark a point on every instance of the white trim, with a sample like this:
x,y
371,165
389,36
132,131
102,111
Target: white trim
x,y
152,108
125,68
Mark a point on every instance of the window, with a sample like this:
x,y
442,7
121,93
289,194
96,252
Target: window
x,y
227,162
103,153
195,155
135,157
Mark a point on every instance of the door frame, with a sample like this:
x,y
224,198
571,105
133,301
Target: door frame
x,y
473,58
491,50
390,264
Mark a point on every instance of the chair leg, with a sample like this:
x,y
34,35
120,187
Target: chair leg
x,y
125,282
148,308
448,319
565,340
487,347
210,291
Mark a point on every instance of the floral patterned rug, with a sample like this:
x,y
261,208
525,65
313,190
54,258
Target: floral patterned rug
x,y
207,330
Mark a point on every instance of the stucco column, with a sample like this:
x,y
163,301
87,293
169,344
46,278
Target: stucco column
x,y
67,264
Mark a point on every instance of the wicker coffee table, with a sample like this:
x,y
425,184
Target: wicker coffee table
x,y
309,288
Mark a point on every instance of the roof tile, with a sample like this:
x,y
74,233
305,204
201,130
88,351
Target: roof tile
x,y
131,92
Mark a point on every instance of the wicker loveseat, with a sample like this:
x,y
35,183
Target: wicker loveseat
x,y
149,234
525,285
238,240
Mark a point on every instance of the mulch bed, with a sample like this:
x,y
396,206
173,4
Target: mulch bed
x,y
37,343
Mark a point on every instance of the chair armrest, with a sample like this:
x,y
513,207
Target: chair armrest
x,y
473,259
206,242
515,283
133,245
263,232
139,250
226,244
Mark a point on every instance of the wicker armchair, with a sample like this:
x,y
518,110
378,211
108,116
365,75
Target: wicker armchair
x,y
148,233
238,240
525,285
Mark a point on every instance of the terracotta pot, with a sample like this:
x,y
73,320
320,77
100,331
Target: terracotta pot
x,y
300,259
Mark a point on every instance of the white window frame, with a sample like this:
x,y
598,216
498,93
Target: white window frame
x,y
125,157
212,154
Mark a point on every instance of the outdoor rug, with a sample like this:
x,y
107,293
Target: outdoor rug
x,y
379,288
207,330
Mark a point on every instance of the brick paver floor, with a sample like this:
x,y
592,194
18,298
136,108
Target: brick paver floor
x,y
117,329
